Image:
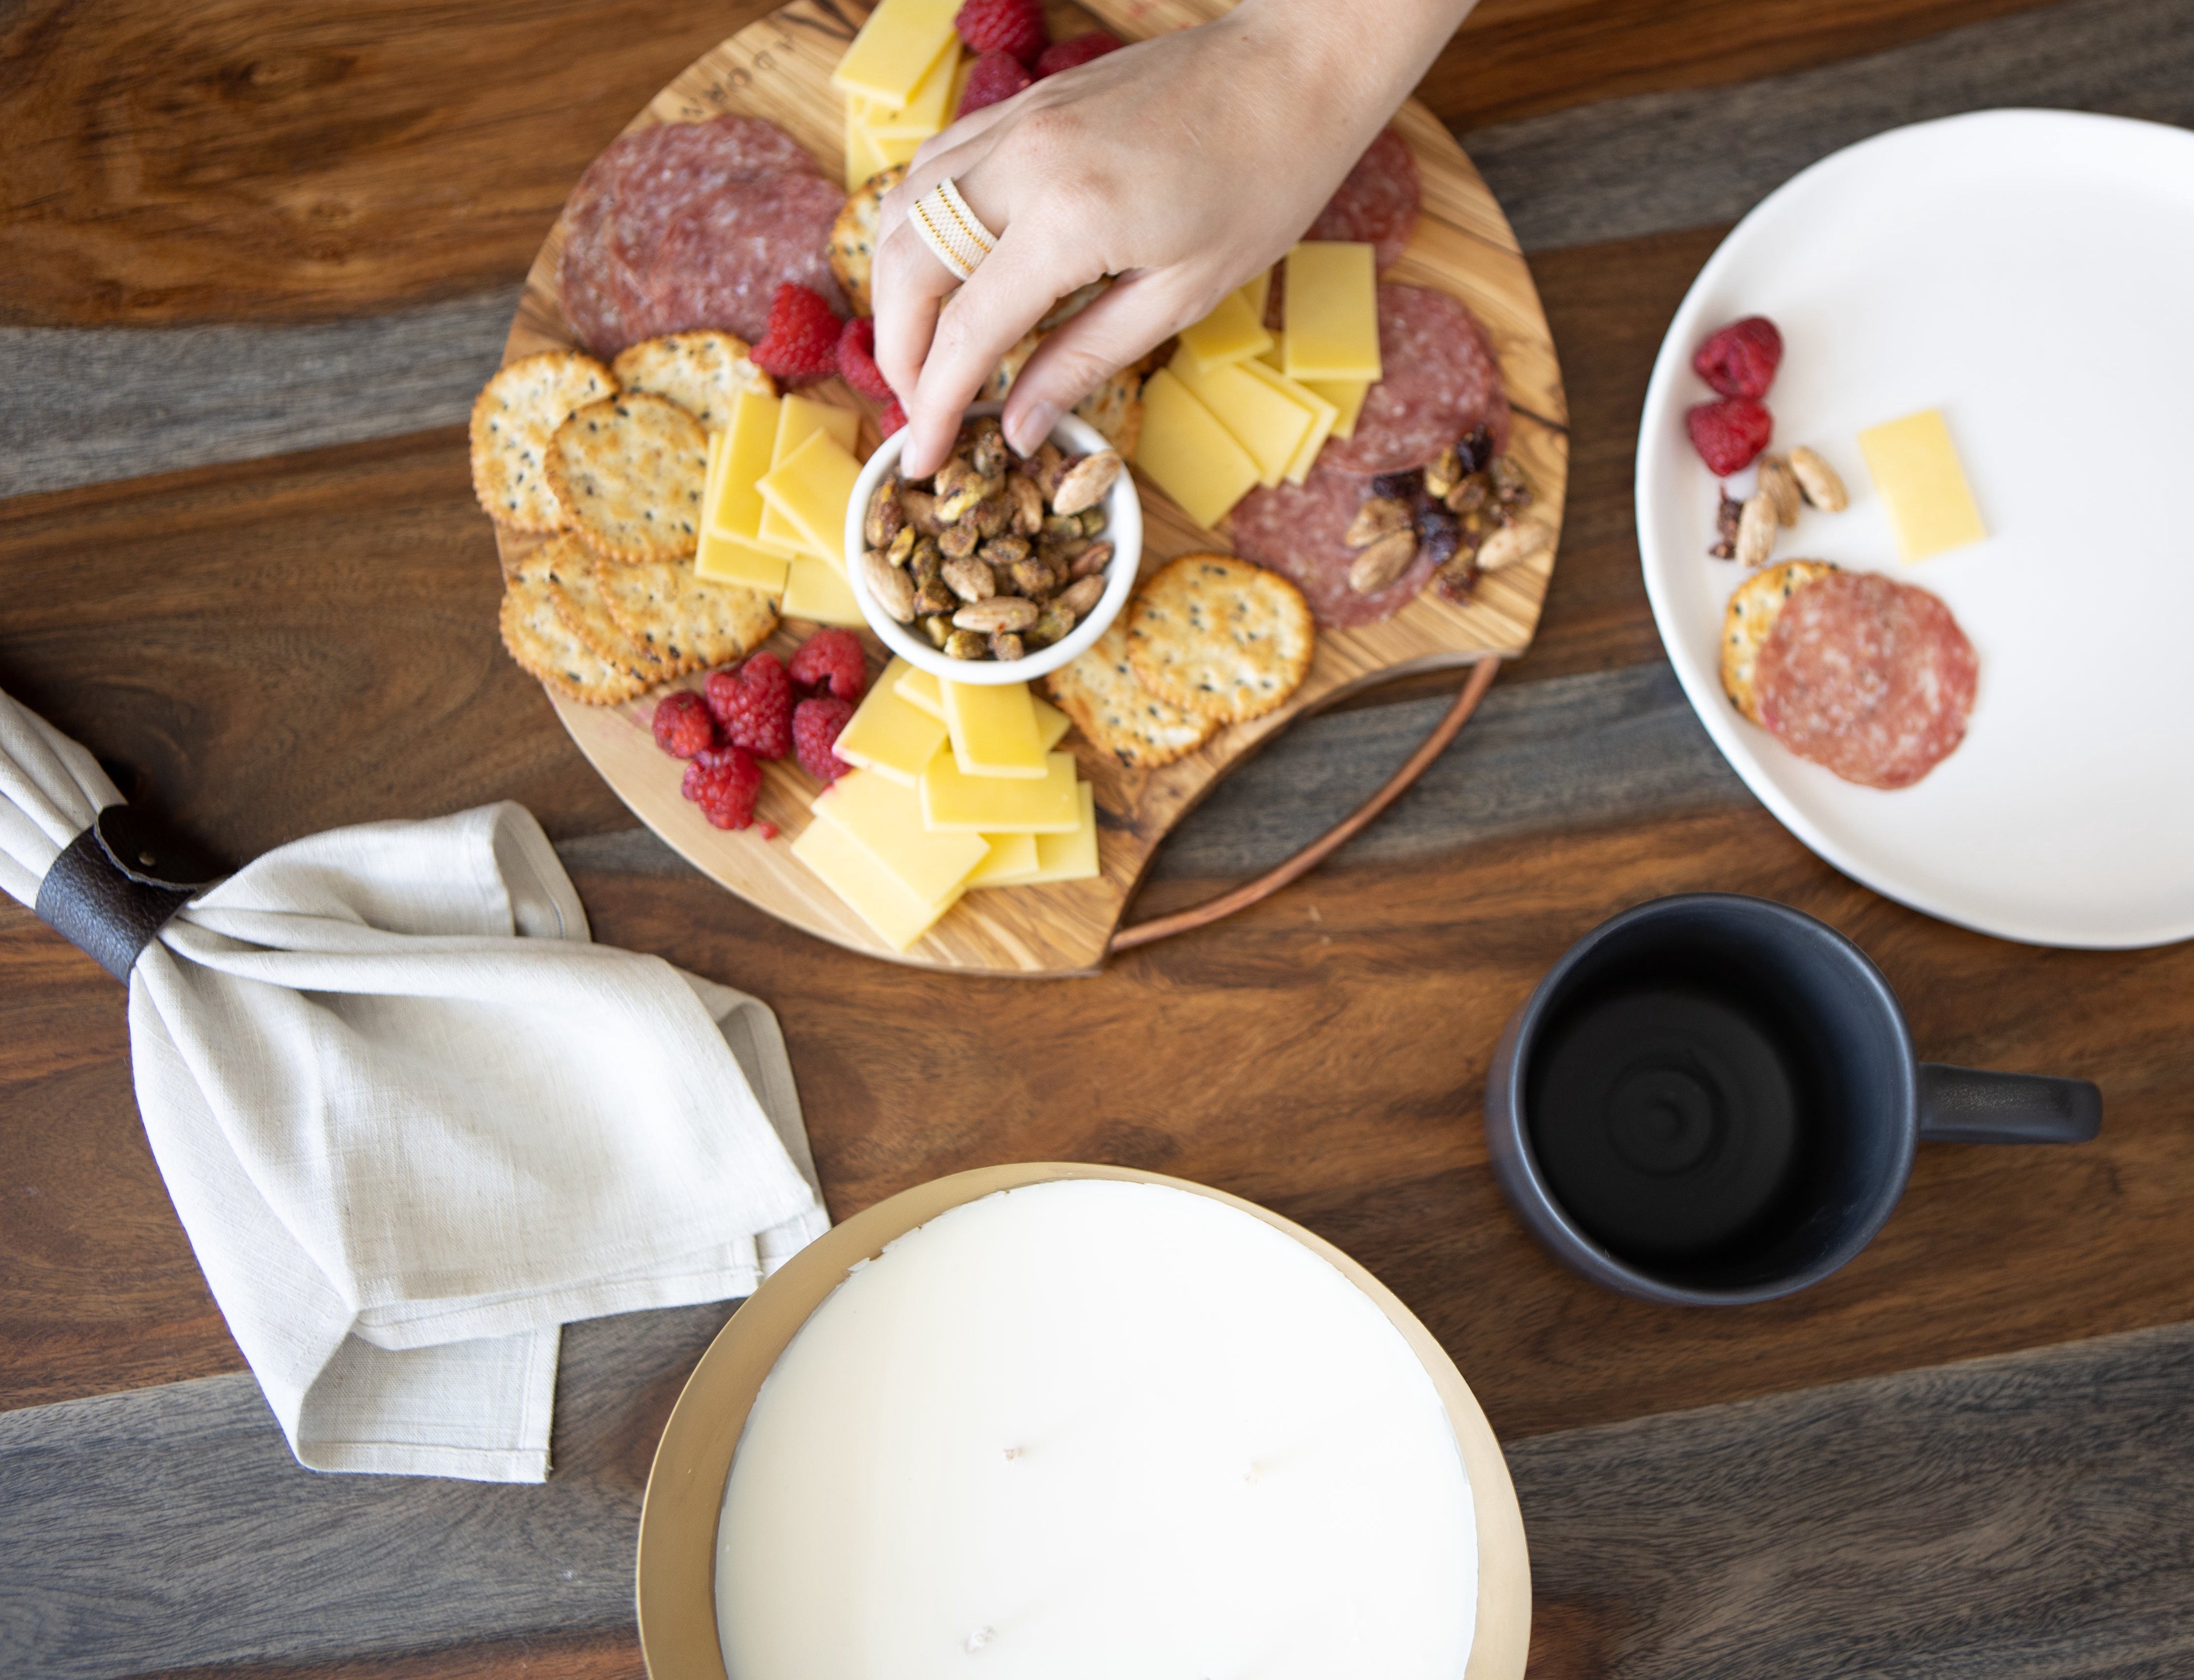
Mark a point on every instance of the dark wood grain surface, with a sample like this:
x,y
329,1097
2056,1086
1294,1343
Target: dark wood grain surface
x,y
257,257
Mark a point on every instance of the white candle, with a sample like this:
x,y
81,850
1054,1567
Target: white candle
x,y
1099,1429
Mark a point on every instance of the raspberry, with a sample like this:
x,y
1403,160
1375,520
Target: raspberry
x,y
802,343
1071,55
891,418
815,727
683,726
832,659
857,360
1014,26
1729,433
725,784
996,75
1741,359
753,705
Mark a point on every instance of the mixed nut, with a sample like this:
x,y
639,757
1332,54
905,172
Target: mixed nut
x,y
1464,510
995,554
1745,531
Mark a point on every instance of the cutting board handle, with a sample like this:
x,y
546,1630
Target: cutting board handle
x,y
1200,915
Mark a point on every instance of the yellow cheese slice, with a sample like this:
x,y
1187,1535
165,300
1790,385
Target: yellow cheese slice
x,y
734,506
1331,311
798,419
928,109
878,897
1257,292
1323,414
1915,468
1265,420
889,736
818,591
1227,335
1051,723
1012,860
895,49
1186,453
1069,857
865,154
954,803
809,490
1345,395
918,688
742,560
992,729
886,820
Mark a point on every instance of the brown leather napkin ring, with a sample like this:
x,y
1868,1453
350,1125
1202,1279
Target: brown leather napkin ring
x,y
115,884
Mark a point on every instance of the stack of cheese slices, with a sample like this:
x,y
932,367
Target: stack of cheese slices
x,y
902,79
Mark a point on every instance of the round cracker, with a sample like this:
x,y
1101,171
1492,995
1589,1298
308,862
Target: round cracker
x,y
580,603
703,372
1219,637
1114,712
854,235
1750,616
629,473
684,622
535,635
514,420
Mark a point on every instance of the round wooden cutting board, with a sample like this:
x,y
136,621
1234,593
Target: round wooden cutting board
x,y
779,68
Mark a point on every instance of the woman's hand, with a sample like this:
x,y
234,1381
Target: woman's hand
x,y
1181,166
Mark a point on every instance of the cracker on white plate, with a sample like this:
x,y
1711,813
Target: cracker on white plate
x,y
1219,637
629,473
686,623
514,417
1114,712
703,372
535,634
1750,615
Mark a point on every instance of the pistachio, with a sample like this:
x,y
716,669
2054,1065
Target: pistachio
x,y
938,628
1513,544
892,589
1003,551
1818,480
960,487
902,547
1062,525
1091,560
1444,472
1380,516
1755,530
1382,562
883,519
1052,623
970,580
1085,483
1028,504
1093,521
1033,576
1005,646
1473,495
965,644
1081,598
1779,485
986,451
956,543
935,597
926,563
1000,612
992,514
921,509
1047,465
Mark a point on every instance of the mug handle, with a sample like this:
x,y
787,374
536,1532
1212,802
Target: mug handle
x,y
1970,1105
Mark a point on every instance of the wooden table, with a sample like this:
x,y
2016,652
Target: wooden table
x,y
258,258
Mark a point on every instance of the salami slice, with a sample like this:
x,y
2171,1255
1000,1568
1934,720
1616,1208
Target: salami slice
x,y
1377,204
1869,677
1441,380
630,197
1296,530
722,262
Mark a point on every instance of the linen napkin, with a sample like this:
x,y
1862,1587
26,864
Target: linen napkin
x,y
414,1120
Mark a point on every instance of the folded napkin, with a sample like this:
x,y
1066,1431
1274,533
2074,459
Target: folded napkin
x,y
414,1120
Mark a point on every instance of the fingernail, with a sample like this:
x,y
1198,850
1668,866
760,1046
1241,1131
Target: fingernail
x,y
1031,426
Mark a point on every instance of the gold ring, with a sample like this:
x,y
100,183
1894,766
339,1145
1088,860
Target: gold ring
x,y
950,230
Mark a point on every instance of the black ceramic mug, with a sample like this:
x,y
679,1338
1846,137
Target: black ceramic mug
x,y
1711,1100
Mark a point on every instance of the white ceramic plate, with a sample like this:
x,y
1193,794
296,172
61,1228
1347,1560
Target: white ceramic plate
x,y
2032,274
